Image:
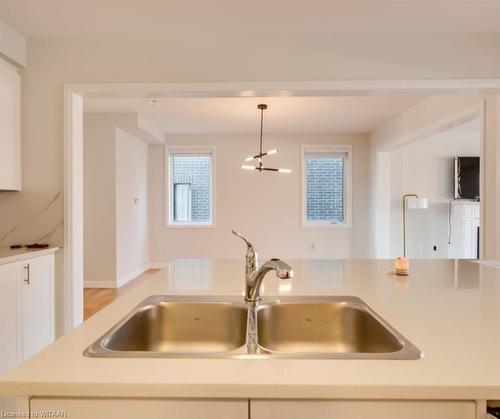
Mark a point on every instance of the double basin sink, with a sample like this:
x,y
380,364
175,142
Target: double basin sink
x,y
341,327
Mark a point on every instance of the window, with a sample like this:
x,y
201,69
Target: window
x,y
326,193
190,183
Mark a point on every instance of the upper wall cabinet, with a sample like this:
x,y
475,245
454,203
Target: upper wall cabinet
x,y
10,127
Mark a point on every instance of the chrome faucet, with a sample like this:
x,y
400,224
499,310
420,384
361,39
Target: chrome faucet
x,y
254,275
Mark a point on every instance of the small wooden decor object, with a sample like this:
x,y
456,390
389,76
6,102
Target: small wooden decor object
x,y
402,266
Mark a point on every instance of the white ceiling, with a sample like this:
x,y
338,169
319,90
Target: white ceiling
x,y
182,19
240,115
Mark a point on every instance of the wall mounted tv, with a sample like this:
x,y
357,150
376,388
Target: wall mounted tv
x,y
466,177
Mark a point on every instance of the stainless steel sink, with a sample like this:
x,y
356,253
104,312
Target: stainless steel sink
x,y
340,327
337,327
161,325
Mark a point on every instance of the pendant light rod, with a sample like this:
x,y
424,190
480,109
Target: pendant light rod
x,y
260,167
262,107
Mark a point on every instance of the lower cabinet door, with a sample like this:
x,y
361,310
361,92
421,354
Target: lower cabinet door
x,y
106,408
10,317
361,409
38,304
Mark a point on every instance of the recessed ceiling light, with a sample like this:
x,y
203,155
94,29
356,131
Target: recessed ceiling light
x,y
247,93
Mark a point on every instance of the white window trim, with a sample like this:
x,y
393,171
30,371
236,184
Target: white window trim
x,y
174,149
326,148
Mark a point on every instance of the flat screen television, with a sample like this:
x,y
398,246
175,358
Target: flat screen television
x,y
466,177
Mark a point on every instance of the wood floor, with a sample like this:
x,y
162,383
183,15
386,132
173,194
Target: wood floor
x,y
95,299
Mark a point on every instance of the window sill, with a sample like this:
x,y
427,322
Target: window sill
x,y
326,225
189,225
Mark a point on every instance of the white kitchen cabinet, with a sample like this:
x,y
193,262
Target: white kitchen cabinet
x,y
10,316
27,319
38,304
361,409
85,408
464,230
126,408
10,127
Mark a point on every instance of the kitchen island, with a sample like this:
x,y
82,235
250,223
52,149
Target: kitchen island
x,y
449,309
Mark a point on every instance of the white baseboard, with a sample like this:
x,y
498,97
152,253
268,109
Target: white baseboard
x,y
131,275
124,278
99,284
158,265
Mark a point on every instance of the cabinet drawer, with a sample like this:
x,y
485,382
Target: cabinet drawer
x,y
105,408
361,409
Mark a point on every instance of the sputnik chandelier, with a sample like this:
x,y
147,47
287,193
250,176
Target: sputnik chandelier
x,y
259,157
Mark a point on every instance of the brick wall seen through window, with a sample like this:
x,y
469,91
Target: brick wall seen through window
x,y
325,188
191,183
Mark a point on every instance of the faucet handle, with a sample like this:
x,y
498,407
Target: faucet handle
x,y
252,256
249,245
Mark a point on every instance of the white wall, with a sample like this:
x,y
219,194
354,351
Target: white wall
x,y
116,228
263,206
426,168
132,228
490,198
415,123
10,127
380,204
12,45
425,118
99,200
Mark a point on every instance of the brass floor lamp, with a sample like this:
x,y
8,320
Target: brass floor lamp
x,y
409,201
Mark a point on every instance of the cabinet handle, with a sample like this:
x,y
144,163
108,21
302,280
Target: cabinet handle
x,y
27,273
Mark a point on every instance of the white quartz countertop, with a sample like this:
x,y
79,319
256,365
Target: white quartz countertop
x,y
8,255
450,310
